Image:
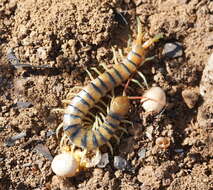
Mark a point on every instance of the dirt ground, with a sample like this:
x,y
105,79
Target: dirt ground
x,y
54,41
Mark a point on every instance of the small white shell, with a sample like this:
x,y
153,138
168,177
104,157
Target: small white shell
x,y
157,100
65,165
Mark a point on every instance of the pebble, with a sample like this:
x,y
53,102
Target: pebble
x,y
173,50
190,97
20,104
44,151
142,153
104,160
11,140
120,163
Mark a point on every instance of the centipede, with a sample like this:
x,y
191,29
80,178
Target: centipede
x,y
87,138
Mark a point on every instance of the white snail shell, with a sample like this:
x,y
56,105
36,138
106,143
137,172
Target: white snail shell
x,y
65,165
157,100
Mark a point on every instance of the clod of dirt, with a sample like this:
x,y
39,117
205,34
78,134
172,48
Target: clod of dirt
x,y
173,50
190,97
206,84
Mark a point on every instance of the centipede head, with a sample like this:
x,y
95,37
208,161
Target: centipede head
x,y
120,105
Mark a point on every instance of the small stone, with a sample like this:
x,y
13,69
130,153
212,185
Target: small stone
x,y
44,151
104,160
20,104
190,97
173,50
120,163
11,140
142,153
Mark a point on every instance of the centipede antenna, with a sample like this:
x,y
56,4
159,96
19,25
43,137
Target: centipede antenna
x,y
139,25
96,70
151,41
137,82
110,147
89,74
143,78
58,129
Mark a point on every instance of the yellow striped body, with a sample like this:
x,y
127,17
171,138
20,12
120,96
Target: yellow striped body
x,y
91,94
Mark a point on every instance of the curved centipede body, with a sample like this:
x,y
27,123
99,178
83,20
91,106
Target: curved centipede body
x,y
80,105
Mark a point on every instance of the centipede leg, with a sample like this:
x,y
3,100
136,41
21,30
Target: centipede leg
x,y
58,129
110,147
89,74
96,70
123,129
117,139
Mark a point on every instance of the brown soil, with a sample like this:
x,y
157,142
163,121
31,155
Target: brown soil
x,y
69,36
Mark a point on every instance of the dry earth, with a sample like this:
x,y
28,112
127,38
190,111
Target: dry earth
x,y
56,41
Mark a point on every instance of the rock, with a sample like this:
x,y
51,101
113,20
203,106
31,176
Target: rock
x,y
11,140
120,163
104,161
20,104
44,151
173,50
190,97
142,153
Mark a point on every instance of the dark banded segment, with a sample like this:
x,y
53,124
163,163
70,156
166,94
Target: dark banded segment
x,y
73,126
108,129
75,108
118,74
88,95
97,89
115,116
111,78
103,83
84,140
136,54
72,116
126,68
75,133
83,101
131,62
